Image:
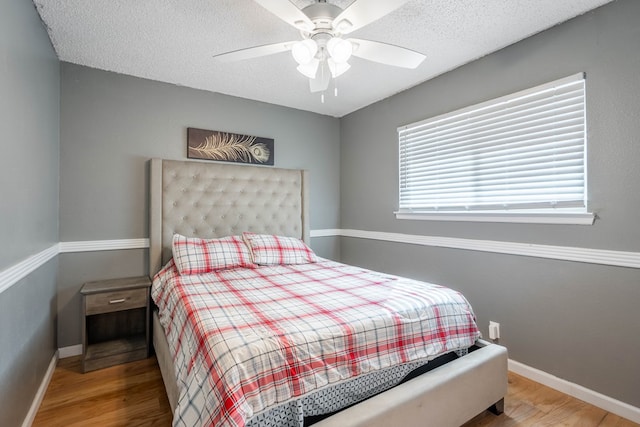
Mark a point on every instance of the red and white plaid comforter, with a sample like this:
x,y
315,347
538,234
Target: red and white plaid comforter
x,y
246,340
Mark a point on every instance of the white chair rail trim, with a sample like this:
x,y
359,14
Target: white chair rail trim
x,y
103,245
564,253
12,275
17,272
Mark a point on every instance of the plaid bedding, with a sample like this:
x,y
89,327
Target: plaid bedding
x,y
247,340
199,256
268,249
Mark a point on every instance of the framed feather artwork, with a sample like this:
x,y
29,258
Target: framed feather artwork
x,y
229,147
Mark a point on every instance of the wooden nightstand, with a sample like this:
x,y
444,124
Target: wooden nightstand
x,y
115,327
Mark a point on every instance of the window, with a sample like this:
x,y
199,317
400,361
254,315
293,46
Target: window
x,y
521,157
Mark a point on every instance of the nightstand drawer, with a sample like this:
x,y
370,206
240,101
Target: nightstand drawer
x,y
107,302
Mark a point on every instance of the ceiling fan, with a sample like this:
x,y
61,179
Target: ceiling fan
x,y
322,52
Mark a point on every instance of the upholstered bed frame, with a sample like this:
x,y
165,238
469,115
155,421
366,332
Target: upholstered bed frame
x,y
209,200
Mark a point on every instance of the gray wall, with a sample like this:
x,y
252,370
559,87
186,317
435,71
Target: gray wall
x,y
29,142
112,124
573,320
576,321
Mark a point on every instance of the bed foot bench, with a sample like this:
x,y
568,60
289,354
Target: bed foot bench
x,y
449,395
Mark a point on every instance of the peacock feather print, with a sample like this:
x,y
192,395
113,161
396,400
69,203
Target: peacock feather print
x,y
230,147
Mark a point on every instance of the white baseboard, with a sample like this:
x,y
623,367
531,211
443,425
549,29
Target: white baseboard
x,y
72,350
579,392
37,400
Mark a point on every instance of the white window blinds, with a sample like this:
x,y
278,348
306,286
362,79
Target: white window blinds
x,y
522,151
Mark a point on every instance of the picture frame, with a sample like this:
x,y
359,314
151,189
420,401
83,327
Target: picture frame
x,y
222,146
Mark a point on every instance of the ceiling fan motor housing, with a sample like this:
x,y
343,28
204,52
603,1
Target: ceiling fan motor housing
x,y
322,15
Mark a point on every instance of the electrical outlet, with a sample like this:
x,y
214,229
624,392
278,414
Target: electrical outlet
x,y
494,330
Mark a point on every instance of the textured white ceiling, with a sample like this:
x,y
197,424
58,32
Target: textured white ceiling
x,y
174,41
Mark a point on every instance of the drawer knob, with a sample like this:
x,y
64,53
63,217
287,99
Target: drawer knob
x,y
117,301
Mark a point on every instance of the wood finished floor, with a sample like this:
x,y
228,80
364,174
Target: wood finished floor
x,y
133,395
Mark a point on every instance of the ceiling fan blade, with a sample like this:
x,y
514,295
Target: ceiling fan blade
x,y
288,12
254,52
321,82
386,53
362,12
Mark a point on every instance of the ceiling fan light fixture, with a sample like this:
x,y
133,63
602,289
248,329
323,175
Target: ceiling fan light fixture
x,y
337,68
304,51
339,49
310,69
323,53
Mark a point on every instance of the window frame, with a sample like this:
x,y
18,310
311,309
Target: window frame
x,y
519,214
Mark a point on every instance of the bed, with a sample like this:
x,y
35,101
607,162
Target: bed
x,y
213,200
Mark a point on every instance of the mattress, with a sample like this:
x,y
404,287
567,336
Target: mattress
x,y
248,342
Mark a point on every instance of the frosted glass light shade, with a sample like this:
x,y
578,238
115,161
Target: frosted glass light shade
x,y
304,51
337,68
310,69
339,49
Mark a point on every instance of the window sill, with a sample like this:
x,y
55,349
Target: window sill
x,y
573,218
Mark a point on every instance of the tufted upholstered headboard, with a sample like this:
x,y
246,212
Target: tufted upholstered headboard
x,y
208,200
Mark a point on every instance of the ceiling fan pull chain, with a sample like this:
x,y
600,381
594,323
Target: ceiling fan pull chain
x,y
322,71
